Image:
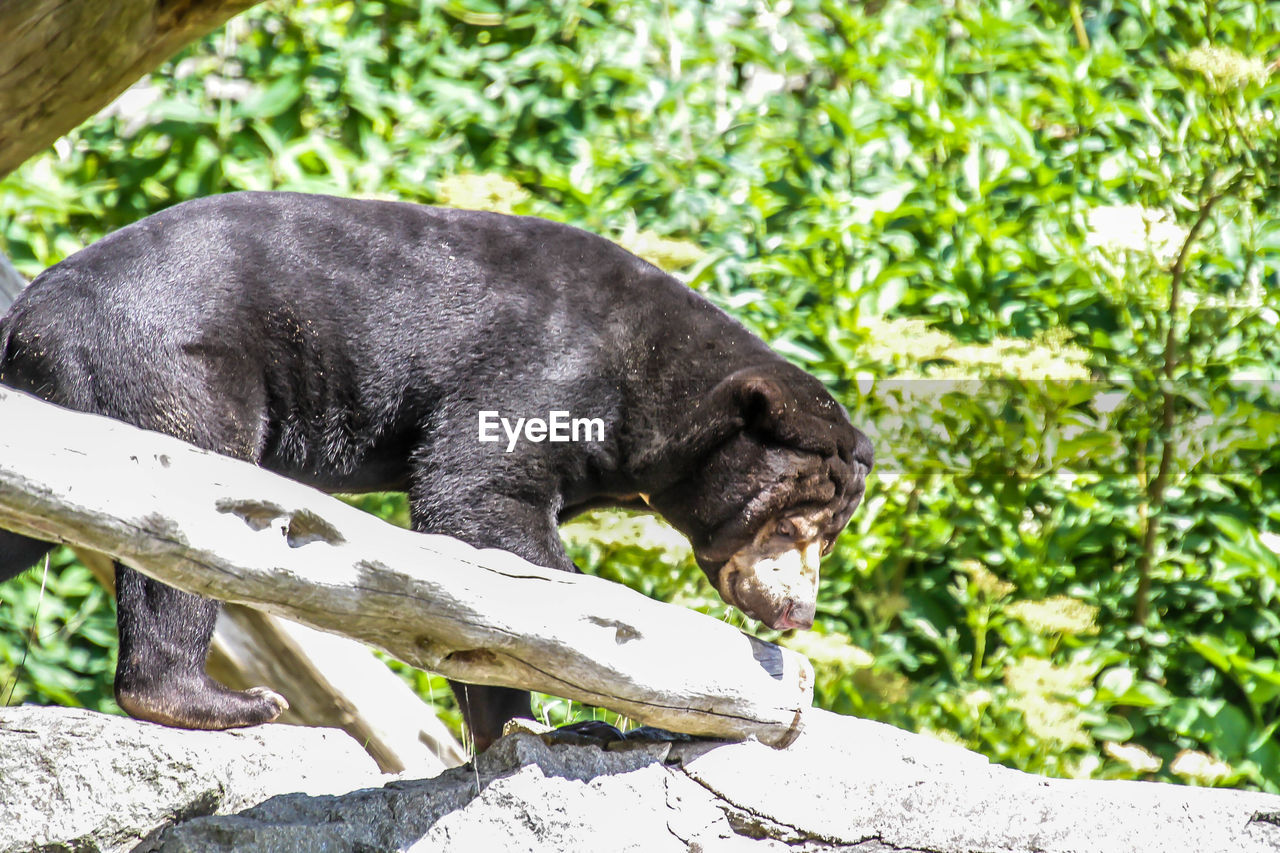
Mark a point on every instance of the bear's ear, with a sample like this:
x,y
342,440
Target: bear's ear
x,y
775,404
732,406
761,401
773,408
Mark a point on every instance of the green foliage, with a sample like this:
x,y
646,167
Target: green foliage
x,y
57,637
1032,246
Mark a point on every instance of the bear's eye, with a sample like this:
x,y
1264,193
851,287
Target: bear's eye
x,y
786,528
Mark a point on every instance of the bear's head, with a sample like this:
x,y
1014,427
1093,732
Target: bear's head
x,y
770,472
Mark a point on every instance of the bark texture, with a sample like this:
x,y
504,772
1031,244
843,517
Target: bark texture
x,y
61,61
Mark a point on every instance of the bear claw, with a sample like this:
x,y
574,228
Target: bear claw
x,y
204,704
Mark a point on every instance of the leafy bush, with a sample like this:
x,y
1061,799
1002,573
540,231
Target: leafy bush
x,y
58,637
1033,246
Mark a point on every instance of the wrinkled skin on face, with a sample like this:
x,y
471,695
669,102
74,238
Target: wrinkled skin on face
x,y
770,498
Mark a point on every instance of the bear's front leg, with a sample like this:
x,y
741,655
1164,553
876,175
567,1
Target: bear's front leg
x,y
480,514
486,710
164,639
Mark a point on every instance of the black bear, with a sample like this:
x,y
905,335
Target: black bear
x,y
369,345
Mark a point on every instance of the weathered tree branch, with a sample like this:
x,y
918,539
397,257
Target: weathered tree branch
x,y
330,681
11,283
61,61
219,527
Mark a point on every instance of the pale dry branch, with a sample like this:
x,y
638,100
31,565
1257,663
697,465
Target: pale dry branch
x,y
223,528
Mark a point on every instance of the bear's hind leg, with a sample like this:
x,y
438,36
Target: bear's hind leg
x,y
209,395
164,639
18,553
165,633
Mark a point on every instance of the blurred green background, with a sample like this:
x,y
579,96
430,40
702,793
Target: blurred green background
x,y
1033,247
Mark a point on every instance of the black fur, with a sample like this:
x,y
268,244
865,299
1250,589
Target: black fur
x,y
351,344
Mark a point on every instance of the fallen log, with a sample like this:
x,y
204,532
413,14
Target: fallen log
x,y
223,528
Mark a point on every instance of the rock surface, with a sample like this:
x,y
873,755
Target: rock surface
x,y
78,780
845,784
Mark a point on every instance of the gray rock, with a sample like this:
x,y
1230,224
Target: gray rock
x,y
79,780
845,784
863,781
523,794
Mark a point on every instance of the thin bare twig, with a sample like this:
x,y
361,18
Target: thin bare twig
x,y
1155,495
